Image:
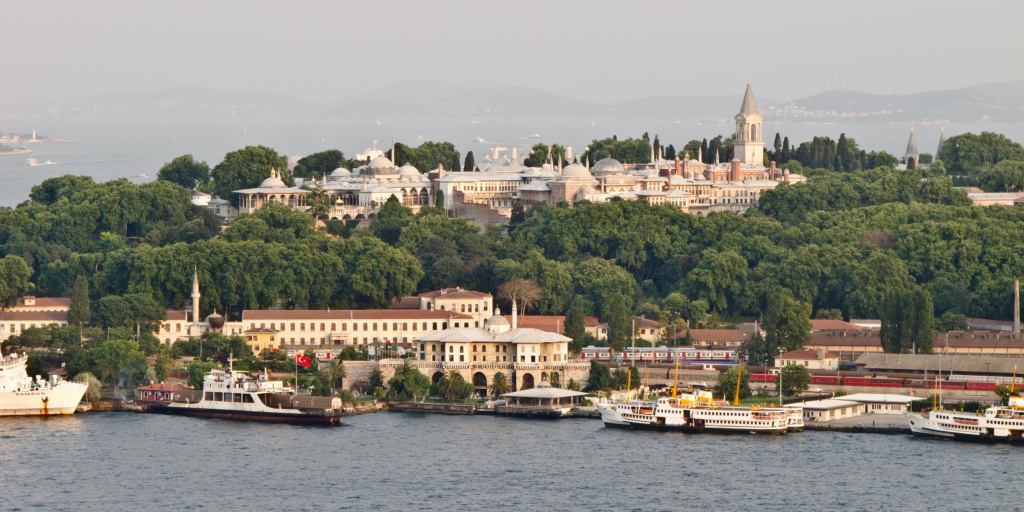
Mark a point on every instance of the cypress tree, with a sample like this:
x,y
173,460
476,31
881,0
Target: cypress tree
x,y
470,162
439,202
78,311
575,327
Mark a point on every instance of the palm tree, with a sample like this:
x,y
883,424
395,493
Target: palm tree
x,y
450,385
500,384
333,372
346,397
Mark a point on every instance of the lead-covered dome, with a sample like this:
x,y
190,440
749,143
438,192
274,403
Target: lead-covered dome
x,y
273,181
576,172
606,166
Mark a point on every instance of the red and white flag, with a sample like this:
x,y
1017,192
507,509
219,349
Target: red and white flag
x,y
913,391
302,360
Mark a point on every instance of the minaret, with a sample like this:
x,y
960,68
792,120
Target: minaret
x,y
911,150
749,145
195,296
942,140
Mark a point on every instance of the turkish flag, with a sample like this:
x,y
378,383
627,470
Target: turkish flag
x,y
302,360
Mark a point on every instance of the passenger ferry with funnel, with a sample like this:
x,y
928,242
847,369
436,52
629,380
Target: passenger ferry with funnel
x,y
237,396
20,395
1003,423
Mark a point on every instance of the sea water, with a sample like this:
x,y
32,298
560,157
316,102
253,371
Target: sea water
x,y
410,461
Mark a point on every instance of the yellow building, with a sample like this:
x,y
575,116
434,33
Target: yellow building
x,y
260,338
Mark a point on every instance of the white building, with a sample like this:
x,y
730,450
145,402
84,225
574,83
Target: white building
x,y
877,403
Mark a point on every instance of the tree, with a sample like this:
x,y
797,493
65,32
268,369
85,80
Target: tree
x,y
247,168
600,377
451,386
390,221
908,321
14,276
795,379
725,387
333,372
93,392
162,365
626,378
439,200
197,370
1004,394
318,201
521,291
787,321
575,325
78,311
470,162
120,361
518,214
500,385
376,379
318,165
185,171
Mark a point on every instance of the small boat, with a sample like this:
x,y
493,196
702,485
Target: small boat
x,y
480,140
237,396
535,136
33,162
140,175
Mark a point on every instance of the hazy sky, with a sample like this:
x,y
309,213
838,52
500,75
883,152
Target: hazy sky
x,y
596,50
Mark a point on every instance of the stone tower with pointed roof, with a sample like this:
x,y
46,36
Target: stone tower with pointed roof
x,y
749,145
911,153
942,140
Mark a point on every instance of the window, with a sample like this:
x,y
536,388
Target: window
x,y
302,326
474,348
322,327
462,350
405,326
485,359
375,326
451,348
312,327
435,326
344,326
385,327
424,326
483,348
292,327
252,325
533,359
365,327
177,327
263,325
462,359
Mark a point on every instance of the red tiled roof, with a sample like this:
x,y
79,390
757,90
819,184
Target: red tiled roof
x,y
548,323
176,315
162,387
45,302
831,325
34,316
806,354
716,334
411,302
454,293
350,314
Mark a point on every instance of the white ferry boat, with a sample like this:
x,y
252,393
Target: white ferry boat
x,y
682,415
20,395
237,396
1003,423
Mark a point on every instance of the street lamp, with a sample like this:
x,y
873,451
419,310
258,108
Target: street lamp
x,y
781,366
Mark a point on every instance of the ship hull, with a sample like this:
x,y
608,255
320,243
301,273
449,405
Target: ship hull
x,y
693,430
56,401
267,417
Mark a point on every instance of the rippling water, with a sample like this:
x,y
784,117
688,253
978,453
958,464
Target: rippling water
x,y
403,461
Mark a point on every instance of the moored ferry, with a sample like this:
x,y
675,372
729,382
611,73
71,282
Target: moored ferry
x,y
1004,423
20,395
683,415
237,396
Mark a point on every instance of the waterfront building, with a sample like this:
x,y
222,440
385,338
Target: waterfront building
x,y
830,409
876,403
14,323
158,392
260,338
811,359
524,355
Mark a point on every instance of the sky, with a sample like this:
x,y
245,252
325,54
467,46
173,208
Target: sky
x,y
598,50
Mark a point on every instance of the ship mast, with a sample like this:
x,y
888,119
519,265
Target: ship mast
x,y
739,378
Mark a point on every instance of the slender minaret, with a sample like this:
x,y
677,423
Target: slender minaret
x,y
1016,307
195,296
515,311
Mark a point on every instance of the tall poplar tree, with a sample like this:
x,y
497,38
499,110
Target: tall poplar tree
x,y
78,311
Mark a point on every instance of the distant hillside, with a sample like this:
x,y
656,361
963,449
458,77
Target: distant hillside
x,y
996,102
985,103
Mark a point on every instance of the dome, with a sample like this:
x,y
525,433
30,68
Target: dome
x,y
408,170
216,321
607,166
380,163
273,181
340,171
576,172
497,323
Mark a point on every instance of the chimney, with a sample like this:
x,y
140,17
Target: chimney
x,y
1016,307
568,153
494,153
735,174
679,165
515,320
515,154
771,175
